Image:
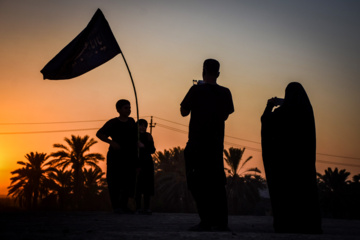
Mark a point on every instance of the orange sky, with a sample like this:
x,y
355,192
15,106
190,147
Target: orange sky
x,y
261,45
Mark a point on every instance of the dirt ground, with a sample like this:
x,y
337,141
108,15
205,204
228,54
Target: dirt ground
x,y
169,226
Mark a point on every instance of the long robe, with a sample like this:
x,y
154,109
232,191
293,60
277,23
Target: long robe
x,y
289,155
145,182
121,164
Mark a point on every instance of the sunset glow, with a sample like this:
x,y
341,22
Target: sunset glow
x,y
261,46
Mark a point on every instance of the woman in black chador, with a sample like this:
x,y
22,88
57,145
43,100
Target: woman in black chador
x,y
289,147
145,180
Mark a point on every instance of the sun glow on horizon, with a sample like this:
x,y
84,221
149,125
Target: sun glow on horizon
x,y
261,48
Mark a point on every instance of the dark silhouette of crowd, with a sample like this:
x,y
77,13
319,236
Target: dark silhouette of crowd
x,y
288,144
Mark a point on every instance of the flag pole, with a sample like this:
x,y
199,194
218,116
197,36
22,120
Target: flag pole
x,y
137,118
132,81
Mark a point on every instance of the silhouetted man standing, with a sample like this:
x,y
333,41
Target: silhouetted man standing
x,y
209,105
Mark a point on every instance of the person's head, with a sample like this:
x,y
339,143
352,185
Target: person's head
x,y
211,69
295,96
142,125
123,107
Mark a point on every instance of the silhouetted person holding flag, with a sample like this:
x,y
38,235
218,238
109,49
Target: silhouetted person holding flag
x,y
122,160
94,46
210,105
289,153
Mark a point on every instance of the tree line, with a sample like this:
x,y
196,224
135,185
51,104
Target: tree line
x,y
71,179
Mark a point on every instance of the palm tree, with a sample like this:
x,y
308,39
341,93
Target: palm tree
x,y
62,186
95,184
242,186
170,181
356,178
170,160
74,156
334,180
31,182
334,188
94,181
233,158
355,197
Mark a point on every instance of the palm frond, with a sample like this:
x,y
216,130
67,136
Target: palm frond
x,y
248,159
61,146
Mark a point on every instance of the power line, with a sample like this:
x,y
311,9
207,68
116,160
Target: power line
x,y
84,121
238,145
160,125
179,131
33,123
63,122
242,139
171,128
330,155
225,142
171,121
246,140
257,149
335,163
50,131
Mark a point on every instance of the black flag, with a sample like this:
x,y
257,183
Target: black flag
x,y
94,46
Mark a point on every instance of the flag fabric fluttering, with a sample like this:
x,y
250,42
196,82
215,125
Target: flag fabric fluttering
x,y
94,46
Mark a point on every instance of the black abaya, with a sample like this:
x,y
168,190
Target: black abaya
x,y
289,149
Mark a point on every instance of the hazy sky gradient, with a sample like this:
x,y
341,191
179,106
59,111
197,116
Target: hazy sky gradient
x,y
261,45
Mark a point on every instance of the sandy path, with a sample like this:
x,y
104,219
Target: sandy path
x,y
169,226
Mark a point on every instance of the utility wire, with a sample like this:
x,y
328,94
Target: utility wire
x,y
225,142
160,125
64,122
33,123
242,139
50,131
330,155
259,150
225,135
171,128
324,154
171,121
239,145
335,163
